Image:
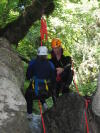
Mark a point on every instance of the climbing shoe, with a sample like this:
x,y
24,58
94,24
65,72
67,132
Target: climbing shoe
x,y
45,107
29,116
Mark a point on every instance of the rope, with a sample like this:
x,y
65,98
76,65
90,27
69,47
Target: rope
x,y
42,117
44,36
86,101
86,106
40,112
43,30
86,122
74,79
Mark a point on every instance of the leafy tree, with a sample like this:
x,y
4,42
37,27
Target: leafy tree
x,y
78,31
74,24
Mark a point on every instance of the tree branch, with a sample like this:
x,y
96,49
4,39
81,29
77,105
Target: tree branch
x,y
23,58
16,30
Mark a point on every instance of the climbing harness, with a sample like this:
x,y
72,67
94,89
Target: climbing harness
x,y
35,84
46,85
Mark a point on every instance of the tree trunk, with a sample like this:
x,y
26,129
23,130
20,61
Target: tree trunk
x,y
16,30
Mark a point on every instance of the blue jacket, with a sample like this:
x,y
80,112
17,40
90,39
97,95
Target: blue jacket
x,y
42,69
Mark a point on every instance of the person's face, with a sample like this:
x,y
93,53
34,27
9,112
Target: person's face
x,y
57,50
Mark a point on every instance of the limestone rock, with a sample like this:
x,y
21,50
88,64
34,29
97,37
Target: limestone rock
x,y
12,102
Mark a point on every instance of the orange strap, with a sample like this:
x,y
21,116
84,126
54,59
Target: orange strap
x,y
42,116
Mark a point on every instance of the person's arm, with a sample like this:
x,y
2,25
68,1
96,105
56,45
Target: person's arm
x,y
67,73
52,72
68,63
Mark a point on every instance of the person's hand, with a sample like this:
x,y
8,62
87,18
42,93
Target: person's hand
x,y
59,70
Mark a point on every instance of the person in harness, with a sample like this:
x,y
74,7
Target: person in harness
x,y
40,72
63,67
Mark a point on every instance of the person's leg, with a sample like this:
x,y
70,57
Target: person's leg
x,y
29,100
54,96
65,89
69,78
58,88
52,91
67,81
42,100
44,104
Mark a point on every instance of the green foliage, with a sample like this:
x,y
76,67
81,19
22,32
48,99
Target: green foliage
x,y
11,9
75,1
77,25
88,88
77,29
7,11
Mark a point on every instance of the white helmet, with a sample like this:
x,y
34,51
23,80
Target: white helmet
x,y
42,50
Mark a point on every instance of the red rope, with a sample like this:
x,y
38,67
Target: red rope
x,y
42,117
86,122
86,106
44,36
74,79
43,30
86,101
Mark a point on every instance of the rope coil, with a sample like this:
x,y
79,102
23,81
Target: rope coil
x,y
43,30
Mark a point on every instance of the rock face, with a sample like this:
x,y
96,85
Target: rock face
x,y
96,99
12,103
69,116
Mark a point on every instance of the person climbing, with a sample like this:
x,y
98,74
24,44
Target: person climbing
x,y
40,72
63,67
